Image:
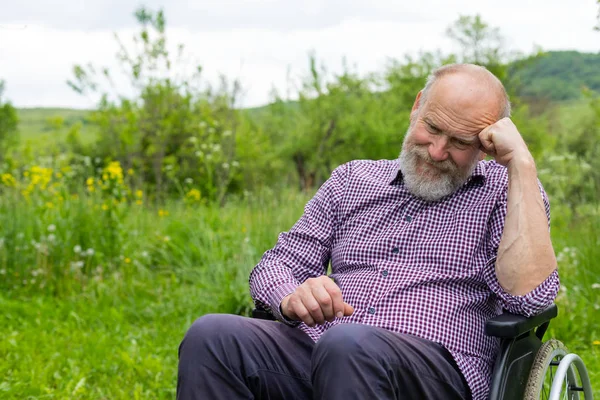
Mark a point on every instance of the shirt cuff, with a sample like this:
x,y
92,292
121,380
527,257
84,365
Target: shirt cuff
x,y
531,303
275,302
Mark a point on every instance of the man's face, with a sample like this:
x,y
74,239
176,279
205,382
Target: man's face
x,y
441,147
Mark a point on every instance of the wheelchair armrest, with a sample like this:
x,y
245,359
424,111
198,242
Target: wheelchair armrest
x,y
510,326
260,313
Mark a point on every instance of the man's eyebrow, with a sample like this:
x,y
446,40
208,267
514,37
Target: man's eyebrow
x,y
457,136
470,139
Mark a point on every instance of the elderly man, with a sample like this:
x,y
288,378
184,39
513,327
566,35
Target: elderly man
x,y
423,250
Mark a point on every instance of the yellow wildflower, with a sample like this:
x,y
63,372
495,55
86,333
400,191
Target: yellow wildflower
x,y
130,172
139,202
114,171
89,181
8,180
139,194
59,175
163,213
193,194
127,260
596,342
49,204
104,207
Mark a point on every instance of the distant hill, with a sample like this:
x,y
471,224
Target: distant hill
x,y
34,122
555,76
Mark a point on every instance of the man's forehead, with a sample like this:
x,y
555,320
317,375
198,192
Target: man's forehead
x,y
464,129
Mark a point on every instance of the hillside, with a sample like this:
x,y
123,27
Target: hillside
x,y
557,75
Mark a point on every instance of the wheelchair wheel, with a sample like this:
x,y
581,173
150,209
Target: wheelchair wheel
x,y
543,373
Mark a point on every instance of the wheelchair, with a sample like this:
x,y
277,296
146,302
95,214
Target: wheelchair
x,y
527,368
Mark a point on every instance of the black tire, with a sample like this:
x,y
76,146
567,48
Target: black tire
x,y
552,350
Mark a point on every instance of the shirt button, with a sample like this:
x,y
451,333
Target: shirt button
x,y
371,310
408,218
395,250
384,272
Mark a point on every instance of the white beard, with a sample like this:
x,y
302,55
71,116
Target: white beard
x,y
449,178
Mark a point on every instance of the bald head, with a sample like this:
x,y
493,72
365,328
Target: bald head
x,y
468,80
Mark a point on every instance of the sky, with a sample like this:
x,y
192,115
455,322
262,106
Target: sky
x,y
262,42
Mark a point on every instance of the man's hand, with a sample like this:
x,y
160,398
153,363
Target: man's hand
x,y
316,300
503,141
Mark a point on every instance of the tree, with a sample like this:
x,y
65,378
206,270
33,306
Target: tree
x,y
480,44
173,128
8,124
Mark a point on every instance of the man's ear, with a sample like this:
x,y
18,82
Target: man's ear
x,y
415,108
417,102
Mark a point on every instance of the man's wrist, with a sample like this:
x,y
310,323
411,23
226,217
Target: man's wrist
x,y
522,162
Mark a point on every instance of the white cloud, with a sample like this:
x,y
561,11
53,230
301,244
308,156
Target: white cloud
x,y
258,41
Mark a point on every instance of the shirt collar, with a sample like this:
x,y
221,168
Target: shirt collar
x,y
477,177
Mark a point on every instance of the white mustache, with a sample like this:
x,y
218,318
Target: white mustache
x,y
422,153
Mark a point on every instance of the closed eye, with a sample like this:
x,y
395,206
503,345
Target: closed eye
x,y
433,129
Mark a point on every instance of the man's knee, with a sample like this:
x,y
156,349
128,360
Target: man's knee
x,y
343,341
209,331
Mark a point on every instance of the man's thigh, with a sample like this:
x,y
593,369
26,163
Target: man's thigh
x,y
264,358
384,364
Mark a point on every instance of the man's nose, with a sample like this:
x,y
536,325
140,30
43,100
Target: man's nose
x,y
437,149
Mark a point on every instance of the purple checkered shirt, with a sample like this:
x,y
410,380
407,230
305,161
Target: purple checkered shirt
x,y
405,264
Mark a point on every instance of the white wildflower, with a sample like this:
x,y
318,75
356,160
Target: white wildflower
x,y
51,237
198,153
2,272
227,133
51,228
89,252
235,164
595,285
226,165
77,249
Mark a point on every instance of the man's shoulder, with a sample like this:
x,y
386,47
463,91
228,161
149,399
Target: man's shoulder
x,y
384,170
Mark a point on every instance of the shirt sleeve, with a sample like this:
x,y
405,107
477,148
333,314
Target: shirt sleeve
x,y
301,253
539,298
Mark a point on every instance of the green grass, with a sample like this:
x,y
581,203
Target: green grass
x,y
115,335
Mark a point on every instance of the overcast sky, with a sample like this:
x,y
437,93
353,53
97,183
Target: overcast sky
x,y
257,41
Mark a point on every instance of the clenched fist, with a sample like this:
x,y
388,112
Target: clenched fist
x,y
314,301
503,141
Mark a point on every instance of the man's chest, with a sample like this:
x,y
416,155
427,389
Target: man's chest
x,y
448,238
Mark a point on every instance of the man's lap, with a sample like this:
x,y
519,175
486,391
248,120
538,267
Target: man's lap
x,y
270,353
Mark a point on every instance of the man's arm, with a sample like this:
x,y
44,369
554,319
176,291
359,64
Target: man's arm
x,y
301,253
525,256
522,270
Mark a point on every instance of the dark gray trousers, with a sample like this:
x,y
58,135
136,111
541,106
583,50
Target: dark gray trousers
x,y
231,357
